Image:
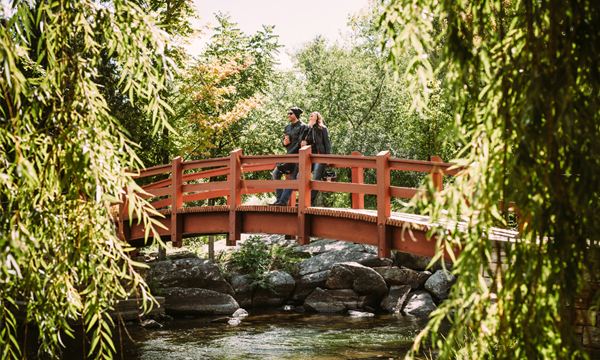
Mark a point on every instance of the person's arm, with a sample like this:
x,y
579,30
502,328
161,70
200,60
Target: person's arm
x,y
326,141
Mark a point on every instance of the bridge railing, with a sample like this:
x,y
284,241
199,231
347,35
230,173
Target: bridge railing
x,y
184,188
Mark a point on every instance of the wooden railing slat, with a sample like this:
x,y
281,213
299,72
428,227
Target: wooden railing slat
x,y
196,164
215,185
402,192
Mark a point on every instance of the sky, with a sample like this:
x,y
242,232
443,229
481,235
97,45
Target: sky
x,y
296,22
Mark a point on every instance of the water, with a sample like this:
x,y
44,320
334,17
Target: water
x,y
282,336
270,336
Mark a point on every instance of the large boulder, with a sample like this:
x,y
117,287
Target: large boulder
x,y
326,245
439,284
418,262
340,277
325,261
419,303
195,301
283,285
243,291
348,297
306,284
191,273
321,301
403,276
394,301
364,279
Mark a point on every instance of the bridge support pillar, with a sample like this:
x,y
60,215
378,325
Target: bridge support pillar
x,y
384,235
235,196
304,165
176,202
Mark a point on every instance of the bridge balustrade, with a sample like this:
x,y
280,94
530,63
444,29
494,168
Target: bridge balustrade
x,y
181,189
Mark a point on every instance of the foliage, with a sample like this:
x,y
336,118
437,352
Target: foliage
x,y
254,259
283,258
526,81
207,113
64,162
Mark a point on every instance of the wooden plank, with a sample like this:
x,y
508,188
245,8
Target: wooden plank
x,y
304,166
197,164
235,180
155,170
269,159
161,203
384,237
215,185
344,187
402,192
205,195
156,193
421,166
258,167
206,174
176,203
358,200
367,162
158,184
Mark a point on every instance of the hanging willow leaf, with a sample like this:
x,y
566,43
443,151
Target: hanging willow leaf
x,y
64,161
526,78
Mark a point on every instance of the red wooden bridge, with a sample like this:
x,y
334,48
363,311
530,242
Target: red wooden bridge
x,y
385,229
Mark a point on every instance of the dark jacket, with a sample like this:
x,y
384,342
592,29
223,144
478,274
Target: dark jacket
x,y
297,132
318,139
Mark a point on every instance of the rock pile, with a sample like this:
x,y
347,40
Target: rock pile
x,y
338,277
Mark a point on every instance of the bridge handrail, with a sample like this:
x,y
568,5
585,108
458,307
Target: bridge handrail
x,y
253,163
235,164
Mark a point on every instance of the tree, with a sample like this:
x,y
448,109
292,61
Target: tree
x,y
526,79
64,163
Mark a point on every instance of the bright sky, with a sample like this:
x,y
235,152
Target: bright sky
x,y
295,22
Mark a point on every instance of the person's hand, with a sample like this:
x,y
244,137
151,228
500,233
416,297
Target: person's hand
x,y
303,143
286,142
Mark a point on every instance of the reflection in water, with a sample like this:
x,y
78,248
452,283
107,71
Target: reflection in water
x,y
270,336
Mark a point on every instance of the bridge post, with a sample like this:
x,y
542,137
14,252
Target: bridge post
x,y
122,206
176,202
384,236
304,165
235,196
358,200
437,174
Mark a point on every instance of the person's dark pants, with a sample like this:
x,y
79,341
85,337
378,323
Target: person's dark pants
x,y
284,194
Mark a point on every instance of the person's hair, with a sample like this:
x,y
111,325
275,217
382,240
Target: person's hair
x,y
320,123
297,111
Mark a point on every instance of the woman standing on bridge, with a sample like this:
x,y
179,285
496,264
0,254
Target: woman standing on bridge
x,y
318,138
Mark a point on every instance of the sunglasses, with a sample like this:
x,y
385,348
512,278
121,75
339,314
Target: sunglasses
x,y
290,113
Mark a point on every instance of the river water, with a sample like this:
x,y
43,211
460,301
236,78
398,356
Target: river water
x,y
269,336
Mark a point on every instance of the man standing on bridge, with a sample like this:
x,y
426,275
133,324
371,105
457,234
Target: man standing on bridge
x,y
293,134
